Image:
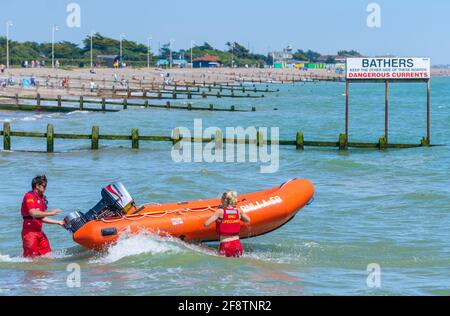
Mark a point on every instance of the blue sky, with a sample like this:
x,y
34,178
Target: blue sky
x,y
409,28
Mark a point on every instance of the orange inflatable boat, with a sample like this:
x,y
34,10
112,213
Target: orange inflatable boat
x,y
116,214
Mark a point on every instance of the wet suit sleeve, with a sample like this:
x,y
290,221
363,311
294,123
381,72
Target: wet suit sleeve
x,y
30,203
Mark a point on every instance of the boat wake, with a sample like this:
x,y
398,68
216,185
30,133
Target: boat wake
x,y
135,245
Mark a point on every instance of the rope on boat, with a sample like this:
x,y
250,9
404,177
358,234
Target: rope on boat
x,y
142,216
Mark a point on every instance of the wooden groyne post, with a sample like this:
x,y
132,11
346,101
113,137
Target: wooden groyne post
x,y
50,138
95,138
6,136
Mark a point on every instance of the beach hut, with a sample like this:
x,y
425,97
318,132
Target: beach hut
x,y
179,63
162,63
207,61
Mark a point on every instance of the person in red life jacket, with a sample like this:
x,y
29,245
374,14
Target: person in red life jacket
x,y
34,213
228,226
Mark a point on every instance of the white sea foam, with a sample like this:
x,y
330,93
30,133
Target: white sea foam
x,y
134,245
58,254
8,258
77,112
29,118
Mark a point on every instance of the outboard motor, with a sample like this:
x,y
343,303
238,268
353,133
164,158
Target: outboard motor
x,y
115,202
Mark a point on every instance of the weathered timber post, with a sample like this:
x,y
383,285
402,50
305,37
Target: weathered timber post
x,y
6,136
50,138
59,101
299,143
103,104
259,138
343,142
428,112
219,140
81,103
176,138
95,138
211,107
346,109
233,108
168,104
424,142
383,143
386,114
16,99
125,104
146,104
189,107
38,99
189,95
135,139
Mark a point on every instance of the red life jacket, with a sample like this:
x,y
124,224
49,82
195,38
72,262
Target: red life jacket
x,y
29,223
230,224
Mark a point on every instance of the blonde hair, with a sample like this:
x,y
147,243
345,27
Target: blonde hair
x,y
223,199
231,199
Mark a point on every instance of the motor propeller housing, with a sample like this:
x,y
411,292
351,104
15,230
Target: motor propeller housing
x,y
115,202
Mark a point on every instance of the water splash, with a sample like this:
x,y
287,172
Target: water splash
x,y
142,243
8,258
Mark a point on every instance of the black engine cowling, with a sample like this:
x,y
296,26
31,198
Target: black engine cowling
x,y
115,202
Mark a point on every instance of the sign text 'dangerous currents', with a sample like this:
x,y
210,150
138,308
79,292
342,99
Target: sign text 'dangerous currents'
x,y
389,68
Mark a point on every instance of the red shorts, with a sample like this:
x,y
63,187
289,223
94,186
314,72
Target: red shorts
x,y
35,244
231,249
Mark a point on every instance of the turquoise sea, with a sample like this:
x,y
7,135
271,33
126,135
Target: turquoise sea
x,y
390,208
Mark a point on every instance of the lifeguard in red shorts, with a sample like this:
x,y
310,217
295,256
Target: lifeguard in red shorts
x,y
34,213
228,225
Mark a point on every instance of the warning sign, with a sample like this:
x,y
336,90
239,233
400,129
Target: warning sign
x,y
388,68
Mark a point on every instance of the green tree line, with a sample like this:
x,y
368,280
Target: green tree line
x,y
135,54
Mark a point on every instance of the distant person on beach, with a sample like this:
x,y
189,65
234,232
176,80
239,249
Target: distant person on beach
x,y
2,68
33,80
228,225
92,85
34,213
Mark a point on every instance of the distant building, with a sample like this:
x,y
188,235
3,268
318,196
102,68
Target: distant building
x,y
179,63
281,59
207,61
176,63
332,59
162,63
106,60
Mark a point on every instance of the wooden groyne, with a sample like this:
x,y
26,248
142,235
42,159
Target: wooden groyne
x,y
131,93
82,101
161,90
135,138
154,85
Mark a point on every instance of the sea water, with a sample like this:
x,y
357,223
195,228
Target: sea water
x,y
388,208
